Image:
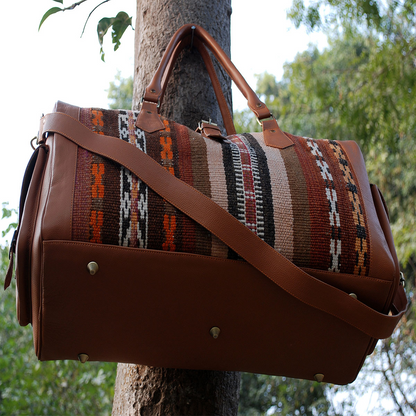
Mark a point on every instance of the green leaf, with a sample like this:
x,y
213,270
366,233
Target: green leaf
x,y
6,212
11,226
102,28
53,10
121,22
59,1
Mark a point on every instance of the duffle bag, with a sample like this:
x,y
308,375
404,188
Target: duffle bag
x,y
143,241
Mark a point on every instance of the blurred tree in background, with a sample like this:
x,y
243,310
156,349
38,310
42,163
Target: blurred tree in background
x,y
120,93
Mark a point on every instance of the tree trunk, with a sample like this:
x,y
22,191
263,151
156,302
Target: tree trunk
x,y
189,98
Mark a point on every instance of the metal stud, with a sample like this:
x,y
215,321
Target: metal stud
x,y
215,332
353,295
83,358
319,377
92,267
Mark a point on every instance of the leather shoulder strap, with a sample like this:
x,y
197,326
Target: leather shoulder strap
x,y
248,245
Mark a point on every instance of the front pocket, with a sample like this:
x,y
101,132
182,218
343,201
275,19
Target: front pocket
x,y
158,308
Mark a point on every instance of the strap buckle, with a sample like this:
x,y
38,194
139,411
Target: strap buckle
x,y
158,101
200,124
265,119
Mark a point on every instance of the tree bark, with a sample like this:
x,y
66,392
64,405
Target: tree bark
x,y
189,98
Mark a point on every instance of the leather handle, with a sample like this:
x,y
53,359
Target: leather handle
x,y
273,136
225,111
237,236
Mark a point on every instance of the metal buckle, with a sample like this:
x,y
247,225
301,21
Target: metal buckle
x,y
264,119
205,121
158,102
192,38
37,142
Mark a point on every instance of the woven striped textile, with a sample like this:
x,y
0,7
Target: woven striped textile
x,y
304,200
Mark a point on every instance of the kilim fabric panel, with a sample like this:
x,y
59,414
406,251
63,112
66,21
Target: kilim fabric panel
x,y
299,200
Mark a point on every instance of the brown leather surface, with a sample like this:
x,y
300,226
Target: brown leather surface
x,y
149,118
53,175
61,189
203,210
34,175
385,225
382,264
157,308
273,136
369,290
210,130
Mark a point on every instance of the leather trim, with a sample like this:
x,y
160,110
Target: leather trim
x,y
66,108
369,290
273,136
29,206
210,131
149,118
382,264
385,225
61,189
36,255
55,181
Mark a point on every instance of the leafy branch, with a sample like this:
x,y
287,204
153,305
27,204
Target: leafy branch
x,y
91,12
54,10
118,24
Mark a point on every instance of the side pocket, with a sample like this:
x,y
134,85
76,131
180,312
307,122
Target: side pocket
x,y
383,216
29,204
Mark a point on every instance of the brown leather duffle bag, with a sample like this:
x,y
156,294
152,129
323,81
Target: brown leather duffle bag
x,y
142,241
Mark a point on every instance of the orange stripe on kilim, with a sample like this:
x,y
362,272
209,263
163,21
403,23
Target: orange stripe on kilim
x,y
166,152
96,223
169,226
97,188
361,247
97,121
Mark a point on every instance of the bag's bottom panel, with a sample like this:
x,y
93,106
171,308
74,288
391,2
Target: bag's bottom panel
x,y
157,308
